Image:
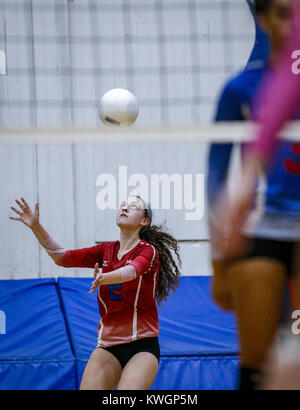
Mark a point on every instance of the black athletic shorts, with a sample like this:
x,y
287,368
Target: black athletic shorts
x,y
125,351
281,251
284,252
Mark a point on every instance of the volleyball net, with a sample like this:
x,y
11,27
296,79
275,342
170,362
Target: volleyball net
x,y
220,132
62,56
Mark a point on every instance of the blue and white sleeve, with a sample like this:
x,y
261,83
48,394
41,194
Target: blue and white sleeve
x,y
229,109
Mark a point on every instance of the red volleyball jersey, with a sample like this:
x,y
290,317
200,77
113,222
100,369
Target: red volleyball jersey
x,y
128,310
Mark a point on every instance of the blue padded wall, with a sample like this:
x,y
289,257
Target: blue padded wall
x,y
51,330
35,351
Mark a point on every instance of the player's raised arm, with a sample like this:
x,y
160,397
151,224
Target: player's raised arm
x,y
30,218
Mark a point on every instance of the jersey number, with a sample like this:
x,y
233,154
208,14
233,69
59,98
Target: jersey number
x,y
112,288
290,165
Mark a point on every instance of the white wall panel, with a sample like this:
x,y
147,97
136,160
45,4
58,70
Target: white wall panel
x,y
19,251
195,258
84,200
56,197
51,66
184,160
19,96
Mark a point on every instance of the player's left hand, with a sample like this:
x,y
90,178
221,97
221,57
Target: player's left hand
x,y
234,213
234,218
97,278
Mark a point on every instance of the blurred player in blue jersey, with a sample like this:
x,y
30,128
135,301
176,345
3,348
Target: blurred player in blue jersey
x,y
282,101
253,284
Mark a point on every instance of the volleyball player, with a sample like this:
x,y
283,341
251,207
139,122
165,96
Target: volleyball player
x,y
137,271
282,86
253,284
282,101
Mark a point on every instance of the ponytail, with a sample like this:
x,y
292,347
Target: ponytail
x,y
169,274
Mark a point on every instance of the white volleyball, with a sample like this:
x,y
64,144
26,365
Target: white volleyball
x,y
118,107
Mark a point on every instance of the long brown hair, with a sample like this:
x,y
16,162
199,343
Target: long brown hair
x,y
164,242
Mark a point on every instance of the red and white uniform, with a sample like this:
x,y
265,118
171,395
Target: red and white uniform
x,y
128,310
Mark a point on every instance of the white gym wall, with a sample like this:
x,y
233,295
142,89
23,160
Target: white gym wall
x,y
60,58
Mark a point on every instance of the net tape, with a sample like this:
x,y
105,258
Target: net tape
x,y
221,132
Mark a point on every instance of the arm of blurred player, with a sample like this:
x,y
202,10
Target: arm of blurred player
x,y
281,96
229,109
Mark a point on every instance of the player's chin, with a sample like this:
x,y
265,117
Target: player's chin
x,y
122,221
125,223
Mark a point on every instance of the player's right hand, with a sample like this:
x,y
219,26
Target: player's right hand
x,y
97,277
26,215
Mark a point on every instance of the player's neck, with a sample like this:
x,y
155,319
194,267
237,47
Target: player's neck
x,y
128,240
